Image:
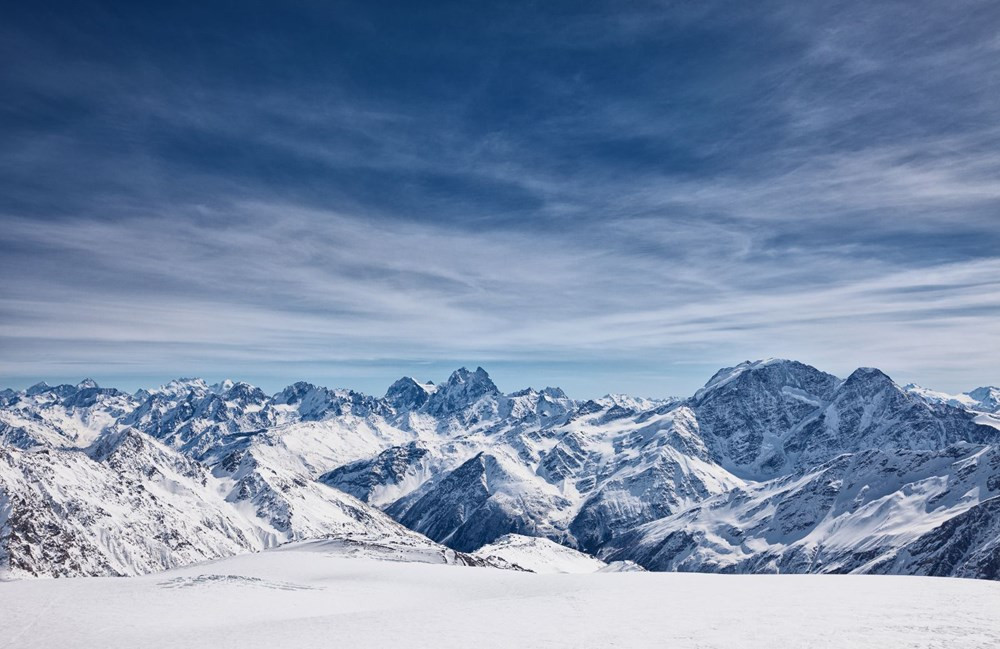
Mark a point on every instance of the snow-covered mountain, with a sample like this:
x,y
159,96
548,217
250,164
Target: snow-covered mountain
x,y
876,511
772,466
984,399
130,505
536,554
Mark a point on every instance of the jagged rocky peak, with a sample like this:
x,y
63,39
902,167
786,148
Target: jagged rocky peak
x,y
222,386
472,383
366,478
181,387
871,385
462,389
294,393
84,394
870,411
475,504
987,398
408,394
312,402
38,388
547,403
243,393
869,376
634,404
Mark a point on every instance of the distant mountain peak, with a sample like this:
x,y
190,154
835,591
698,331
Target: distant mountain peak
x,y
463,375
777,372
38,388
462,389
408,394
870,375
183,385
223,386
987,398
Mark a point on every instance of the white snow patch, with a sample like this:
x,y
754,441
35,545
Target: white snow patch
x,y
306,596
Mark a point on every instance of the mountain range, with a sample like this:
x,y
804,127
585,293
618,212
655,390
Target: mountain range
x,y
772,466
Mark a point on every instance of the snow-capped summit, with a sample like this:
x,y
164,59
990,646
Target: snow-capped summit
x,y
408,394
38,388
934,396
222,386
241,392
986,398
538,555
870,411
744,412
315,403
633,404
462,390
549,405
185,384
189,415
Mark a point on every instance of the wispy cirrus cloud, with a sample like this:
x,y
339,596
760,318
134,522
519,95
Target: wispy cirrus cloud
x,y
627,191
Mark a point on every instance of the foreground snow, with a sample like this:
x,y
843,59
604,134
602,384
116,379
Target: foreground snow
x,y
311,594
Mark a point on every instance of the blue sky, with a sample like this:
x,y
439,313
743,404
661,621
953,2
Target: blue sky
x,y
605,196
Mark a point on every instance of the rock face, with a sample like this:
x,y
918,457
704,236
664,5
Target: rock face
x,y
746,412
870,411
406,394
461,393
476,503
772,466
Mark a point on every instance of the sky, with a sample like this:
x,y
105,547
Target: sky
x,y
605,196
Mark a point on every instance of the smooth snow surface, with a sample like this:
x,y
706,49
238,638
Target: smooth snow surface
x,y
538,555
310,595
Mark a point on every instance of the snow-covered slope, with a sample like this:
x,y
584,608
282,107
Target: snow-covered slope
x,y
538,555
124,508
984,399
312,595
130,505
906,512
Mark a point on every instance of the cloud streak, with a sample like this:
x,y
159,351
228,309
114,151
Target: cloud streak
x,y
641,193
